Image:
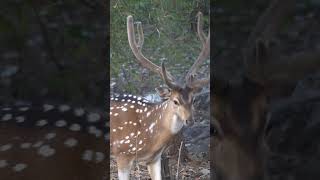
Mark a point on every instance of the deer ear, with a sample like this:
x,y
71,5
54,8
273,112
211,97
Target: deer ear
x,y
163,92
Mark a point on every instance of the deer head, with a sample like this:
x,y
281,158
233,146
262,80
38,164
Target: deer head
x,y
239,108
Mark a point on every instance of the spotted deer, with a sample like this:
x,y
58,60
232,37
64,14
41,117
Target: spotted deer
x,y
240,105
52,142
141,130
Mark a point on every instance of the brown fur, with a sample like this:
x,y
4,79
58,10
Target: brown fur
x,y
239,150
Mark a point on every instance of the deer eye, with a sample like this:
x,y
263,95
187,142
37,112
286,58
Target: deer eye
x,y
213,132
215,129
176,102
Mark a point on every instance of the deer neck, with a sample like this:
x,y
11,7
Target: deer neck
x,y
164,123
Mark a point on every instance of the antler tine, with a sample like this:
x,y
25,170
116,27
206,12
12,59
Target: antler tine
x,y
264,29
205,51
270,20
171,84
140,35
268,68
201,34
136,48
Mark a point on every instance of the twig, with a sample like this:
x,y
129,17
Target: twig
x,y
177,175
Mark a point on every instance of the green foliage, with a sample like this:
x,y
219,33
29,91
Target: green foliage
x,y
168,36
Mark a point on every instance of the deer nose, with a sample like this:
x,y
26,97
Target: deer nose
x,y
189,121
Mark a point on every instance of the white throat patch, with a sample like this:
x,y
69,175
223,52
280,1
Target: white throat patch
x,y
176,125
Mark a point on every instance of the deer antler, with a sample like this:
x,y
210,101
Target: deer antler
x,y
137,47
264,67
205,52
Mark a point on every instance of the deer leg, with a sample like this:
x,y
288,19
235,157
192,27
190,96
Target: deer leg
x,y
124,167
154,168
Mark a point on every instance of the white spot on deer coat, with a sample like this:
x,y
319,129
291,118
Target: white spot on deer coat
x,y
5,147
132,106
46,151
42,122
3,163
121,142
47,107
79,112
19,167
50,135
151,126
93,117
64,107
75,127
140,142
37,144
87,155
139,98
20,119
61,123
95,131
114,130
124,109
99,157
127,137
24,109
70,142
6,117
148,114
116,114
25,145
127,142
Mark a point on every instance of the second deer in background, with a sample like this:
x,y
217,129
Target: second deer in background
x,y
239,108
141,130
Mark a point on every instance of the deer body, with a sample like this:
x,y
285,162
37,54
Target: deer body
x,y
52,142
141,130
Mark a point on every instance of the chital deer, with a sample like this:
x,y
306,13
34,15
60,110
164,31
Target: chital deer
x,y
52,142
140,129
239,107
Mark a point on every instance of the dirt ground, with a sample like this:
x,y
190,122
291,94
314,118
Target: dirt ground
x,y
188,171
